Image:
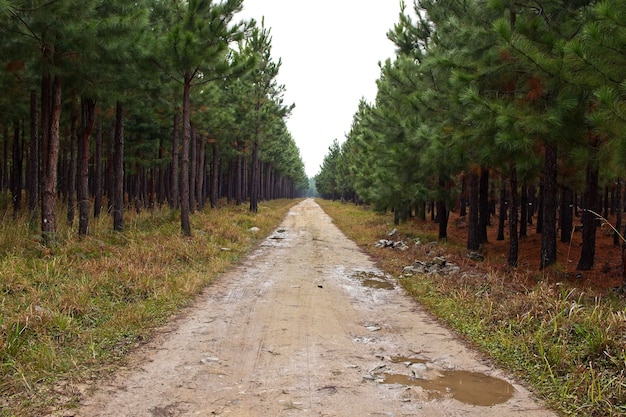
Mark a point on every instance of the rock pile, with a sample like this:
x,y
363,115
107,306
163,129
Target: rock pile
x,y
438,265
385,243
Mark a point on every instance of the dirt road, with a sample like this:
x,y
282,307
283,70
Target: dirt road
x,y
306,326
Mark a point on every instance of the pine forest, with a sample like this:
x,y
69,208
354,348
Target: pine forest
x,y
514,108
114,106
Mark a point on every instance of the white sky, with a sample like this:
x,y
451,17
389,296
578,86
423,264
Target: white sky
x,y
330,51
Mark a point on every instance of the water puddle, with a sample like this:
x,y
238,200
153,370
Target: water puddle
x,y
471,388
373,280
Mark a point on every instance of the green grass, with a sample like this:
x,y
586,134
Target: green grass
x,y
71,312
569,345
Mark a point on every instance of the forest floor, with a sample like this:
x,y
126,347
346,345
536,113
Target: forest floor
x,y
605,275
306,325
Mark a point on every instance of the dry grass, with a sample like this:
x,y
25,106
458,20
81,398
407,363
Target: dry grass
x,y
72,311
568,343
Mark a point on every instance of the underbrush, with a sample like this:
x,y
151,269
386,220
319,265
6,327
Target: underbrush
x,y
70,312
567,343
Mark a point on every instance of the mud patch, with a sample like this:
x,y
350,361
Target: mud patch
x,y
471,388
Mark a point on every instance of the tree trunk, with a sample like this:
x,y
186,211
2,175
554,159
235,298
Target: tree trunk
x,y
442,213
193,170
590,203
97,202
184,172
71,168
619,207
175,180
548,231
118,169
254,180
566,217
32,181
523,228
512,259
201,169
483,217
49,177
215,176
88,107
502,204
473,237
16,171
239,178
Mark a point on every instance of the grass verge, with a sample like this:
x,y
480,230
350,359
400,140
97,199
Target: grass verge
x,y
567,343
70,313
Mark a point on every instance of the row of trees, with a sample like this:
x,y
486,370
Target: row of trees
x,y
145,102
524,93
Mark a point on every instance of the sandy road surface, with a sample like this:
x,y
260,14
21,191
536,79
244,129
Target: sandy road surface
x,y
306,326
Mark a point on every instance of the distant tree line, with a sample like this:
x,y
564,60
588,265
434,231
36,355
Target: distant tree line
x,y
112,105
516,106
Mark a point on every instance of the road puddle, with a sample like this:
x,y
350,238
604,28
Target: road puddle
x,y
374,280
471,388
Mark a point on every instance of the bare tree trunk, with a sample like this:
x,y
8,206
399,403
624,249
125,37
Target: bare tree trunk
x,y
215,176
33,161
16,172
254,181
49,190
71,169
97,205
118,169
512,259
473,238
548,231
88,107
201,172
175,180
184,205
193,174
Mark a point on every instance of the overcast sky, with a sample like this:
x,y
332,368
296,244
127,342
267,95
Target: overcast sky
x,y
330,51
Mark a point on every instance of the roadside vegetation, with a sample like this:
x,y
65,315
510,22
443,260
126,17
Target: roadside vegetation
x,y
70,312
567,342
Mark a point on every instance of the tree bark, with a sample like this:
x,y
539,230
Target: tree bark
x,y
193,171
16,171
215,176
88,107
254,180
33,160
118,169
502,204
566,217
619,208
523,225
473,237
71,168
175,180
184,172
512,259
97,205
590,203
49,177
548,231
483,217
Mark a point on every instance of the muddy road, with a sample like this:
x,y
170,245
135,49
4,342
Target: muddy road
x,y
307,326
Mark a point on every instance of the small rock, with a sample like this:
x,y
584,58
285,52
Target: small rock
x,y
393,232
254,230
